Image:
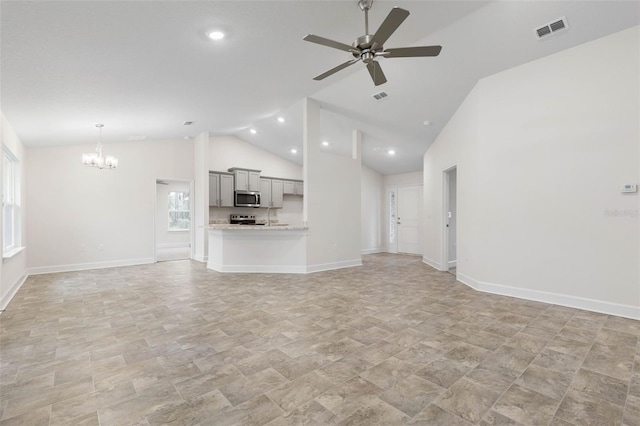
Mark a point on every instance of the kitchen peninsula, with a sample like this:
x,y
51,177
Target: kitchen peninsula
x,y
257,248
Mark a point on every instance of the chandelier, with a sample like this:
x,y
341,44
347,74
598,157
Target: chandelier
x,y
95,159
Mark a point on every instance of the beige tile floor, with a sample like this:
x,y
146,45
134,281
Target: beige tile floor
x,y
392,342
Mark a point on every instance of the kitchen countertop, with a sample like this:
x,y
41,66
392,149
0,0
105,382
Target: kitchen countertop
x,y
281,227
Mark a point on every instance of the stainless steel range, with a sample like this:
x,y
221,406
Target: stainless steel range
x,y
242,219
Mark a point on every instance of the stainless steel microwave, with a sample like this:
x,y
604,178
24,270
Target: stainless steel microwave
x,y
247,199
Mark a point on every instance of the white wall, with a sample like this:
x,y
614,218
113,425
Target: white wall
x,y
332,199
81,217
404,179
229,151
164,237
542,150
372,215
13,271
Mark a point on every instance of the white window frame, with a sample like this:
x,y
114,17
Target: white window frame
x,y
173,210
11,232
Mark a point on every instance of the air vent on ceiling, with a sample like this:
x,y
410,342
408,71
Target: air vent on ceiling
x,y
552,27
188,123
380,95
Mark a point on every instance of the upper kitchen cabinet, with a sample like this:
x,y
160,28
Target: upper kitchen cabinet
x,y
271,192
220,189
246,179
293,187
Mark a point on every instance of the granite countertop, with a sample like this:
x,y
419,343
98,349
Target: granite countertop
x,y
279,226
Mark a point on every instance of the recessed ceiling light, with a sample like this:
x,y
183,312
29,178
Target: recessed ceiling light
x,y
426,123
216,35
253,131
391,152
280,119
294,151
325,143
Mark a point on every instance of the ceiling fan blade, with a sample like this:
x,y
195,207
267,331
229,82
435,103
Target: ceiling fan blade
x,y
408,52
375,70
336,69
389,25
329,43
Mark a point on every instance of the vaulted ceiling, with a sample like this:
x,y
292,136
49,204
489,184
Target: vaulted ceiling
x,y
143,68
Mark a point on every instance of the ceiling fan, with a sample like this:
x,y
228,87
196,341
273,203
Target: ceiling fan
x,y
368,47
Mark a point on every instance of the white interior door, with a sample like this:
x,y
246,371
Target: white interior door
x,y
452,213
409,217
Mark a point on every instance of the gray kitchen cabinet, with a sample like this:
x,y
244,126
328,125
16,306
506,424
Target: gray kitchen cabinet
x,y
293,187
246,179
221,189
271,194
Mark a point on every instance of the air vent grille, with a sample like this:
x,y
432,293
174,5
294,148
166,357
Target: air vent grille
x,y
552,27
380,95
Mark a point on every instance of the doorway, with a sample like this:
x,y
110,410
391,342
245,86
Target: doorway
x,y
450,239
173,230
409,216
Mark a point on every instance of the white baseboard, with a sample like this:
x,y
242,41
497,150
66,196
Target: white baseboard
x,y
259,269
374,250
453,263
85,266
173,245
333,265
12,292
627,311
432,263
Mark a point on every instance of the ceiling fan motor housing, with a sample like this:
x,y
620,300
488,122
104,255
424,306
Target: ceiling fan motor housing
x,y
363,48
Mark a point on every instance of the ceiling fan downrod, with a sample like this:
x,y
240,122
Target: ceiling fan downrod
x,y
365,5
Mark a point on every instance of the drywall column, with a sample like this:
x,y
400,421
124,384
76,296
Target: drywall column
x,y
331,199
201,196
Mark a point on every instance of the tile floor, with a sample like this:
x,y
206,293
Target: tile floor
x,y
392,342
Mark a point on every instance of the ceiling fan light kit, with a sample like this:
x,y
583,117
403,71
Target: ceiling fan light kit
x,y
368,47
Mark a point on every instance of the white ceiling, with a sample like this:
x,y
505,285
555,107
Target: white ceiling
x,y
144,67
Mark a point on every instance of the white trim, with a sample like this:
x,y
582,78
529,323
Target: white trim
x,y
374,250
334,265
172,245
432,263
445,214
12,292
85,266
200,259
11,253
627,311
257,269
453,263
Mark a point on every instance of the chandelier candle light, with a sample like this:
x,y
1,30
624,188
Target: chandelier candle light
x,y
95,159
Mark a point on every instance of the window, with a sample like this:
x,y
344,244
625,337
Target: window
x,y
179,211
392,216
10,204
